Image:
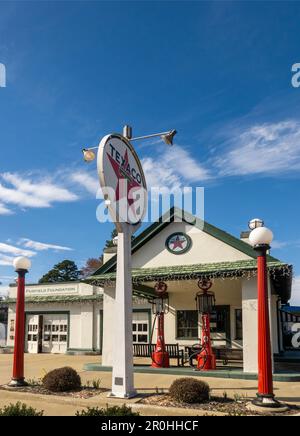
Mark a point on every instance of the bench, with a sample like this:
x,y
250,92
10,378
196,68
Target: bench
x,y
146,350
228,354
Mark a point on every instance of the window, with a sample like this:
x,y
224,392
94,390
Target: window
x,y
187,324
140,332
238,324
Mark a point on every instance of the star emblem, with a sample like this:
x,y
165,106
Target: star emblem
x,y
178,243
122,174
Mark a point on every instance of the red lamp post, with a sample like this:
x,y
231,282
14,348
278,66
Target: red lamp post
x,y
205,305
261,238
160,357
22,265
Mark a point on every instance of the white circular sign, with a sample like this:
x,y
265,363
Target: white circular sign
x,y
122,179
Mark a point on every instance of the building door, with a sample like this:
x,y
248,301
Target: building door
x,y
55,333
32,332
220,326
140,327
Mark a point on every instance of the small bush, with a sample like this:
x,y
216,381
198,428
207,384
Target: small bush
x,y
108,411
189,390
20,409
62,380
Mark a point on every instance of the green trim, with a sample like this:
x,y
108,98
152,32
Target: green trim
x,y
236,374
30,285
59,299
168,218
185,250
186,272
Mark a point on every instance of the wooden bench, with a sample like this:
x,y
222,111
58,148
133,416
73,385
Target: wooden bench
x,y
228,354
146,350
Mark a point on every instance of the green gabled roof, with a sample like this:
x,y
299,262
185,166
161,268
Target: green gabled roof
x,y
181,272
162,223
59,299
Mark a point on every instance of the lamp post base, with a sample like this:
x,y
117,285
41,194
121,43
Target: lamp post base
x,y
267,403
17,383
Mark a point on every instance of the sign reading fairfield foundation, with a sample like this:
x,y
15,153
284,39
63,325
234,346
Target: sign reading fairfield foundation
x,y
124,188
122,180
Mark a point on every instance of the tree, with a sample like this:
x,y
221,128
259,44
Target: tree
x,y
65,271
109,242
91,266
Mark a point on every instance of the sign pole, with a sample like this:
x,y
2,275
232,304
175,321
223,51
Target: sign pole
x,y
125,191
122,374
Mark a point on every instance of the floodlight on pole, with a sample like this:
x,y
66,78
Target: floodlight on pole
x,y
168,138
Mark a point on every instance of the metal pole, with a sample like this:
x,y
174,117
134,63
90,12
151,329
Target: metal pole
x,y
18,365
265,395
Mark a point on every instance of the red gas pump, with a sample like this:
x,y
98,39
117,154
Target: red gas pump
x,y
205,306
160,306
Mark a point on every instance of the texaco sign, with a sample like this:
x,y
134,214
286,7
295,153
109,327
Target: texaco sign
x,y
122,180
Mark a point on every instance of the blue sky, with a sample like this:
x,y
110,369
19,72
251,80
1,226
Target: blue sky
x,y
218,72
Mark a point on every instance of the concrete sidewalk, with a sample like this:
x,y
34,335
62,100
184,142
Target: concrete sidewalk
x,y
37,365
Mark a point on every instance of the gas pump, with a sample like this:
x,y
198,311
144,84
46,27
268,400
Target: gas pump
x,y
205,301
160,306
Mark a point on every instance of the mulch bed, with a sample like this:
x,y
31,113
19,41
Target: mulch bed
x,y
83,393
216,404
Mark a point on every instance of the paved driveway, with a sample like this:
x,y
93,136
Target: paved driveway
x,y
37,364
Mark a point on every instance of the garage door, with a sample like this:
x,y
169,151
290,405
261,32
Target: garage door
x,y
55,333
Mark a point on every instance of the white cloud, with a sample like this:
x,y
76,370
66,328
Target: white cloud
x,y
6,260
40,246
15,251
279,244
24,192
90,183
295,300
4,210
172,169
268,149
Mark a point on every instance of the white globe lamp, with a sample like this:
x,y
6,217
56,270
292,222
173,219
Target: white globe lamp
x,y
22,264
261,236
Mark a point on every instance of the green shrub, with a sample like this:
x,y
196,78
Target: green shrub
x,y
189,390
20,409
62,380
108,411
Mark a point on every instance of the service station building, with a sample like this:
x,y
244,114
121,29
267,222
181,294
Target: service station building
x,y
179,250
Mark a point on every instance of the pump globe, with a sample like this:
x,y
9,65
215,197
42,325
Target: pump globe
x,y
261,236
22,263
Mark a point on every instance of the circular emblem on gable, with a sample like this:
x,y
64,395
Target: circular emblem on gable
x,y
178,243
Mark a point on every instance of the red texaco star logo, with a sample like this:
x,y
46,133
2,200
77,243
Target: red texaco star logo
x,y
178,243
122,173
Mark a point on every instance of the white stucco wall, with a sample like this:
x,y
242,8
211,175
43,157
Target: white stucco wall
x,y
205,249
